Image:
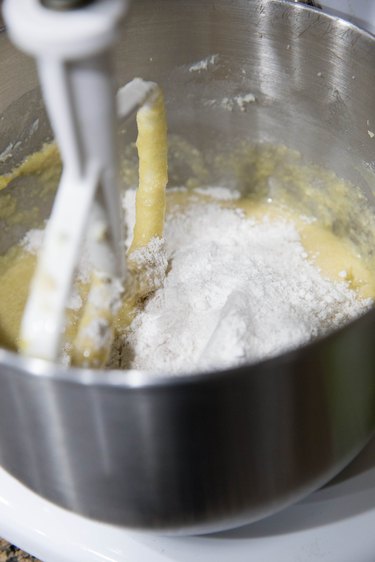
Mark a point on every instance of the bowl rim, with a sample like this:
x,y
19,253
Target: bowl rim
x,y
140,379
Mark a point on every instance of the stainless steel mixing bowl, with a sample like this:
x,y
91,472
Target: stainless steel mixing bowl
x,y
204,452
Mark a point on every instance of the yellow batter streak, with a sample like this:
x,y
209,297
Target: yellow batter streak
x,y
153,173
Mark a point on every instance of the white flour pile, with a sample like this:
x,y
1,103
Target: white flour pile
x,y
236,290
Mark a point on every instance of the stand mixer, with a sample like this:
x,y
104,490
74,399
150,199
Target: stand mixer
x,y
188,397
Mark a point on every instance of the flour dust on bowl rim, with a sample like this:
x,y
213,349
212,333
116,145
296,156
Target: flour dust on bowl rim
x,y
203,452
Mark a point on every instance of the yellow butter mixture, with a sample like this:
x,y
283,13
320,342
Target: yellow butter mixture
x,y
279,190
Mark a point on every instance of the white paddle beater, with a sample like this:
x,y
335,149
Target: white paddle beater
x,y
73,48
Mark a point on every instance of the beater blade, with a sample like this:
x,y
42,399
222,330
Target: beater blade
x,y
73,53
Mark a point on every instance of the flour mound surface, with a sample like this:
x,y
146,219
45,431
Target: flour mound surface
x,y
236,291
